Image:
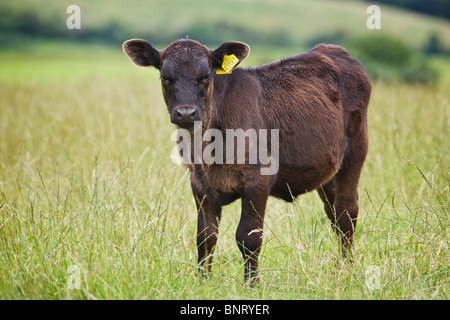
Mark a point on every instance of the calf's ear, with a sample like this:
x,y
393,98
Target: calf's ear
x,y
239,49
142,53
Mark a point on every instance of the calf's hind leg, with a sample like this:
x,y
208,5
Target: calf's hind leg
x,y
340,198
327,193
340,194
340,223
346,208
341,207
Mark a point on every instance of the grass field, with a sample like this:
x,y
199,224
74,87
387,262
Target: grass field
x,y
92,207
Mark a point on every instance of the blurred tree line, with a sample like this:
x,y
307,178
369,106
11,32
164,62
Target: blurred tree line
x,y
440,8
384,56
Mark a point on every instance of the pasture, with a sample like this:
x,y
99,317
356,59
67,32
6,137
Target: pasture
x,y
92,207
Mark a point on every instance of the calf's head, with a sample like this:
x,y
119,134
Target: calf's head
x,y
186,69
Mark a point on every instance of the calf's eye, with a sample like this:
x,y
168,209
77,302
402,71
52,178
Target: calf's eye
x,y
203,79
166,80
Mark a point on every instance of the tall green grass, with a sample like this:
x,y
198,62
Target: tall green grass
x,y
87,184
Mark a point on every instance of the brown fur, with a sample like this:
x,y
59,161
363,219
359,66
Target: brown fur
x,y
318,100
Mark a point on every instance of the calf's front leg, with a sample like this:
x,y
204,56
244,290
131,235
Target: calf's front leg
x,y
250,230
207,230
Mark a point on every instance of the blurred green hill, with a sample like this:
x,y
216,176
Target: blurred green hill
x,y
268,22
287,25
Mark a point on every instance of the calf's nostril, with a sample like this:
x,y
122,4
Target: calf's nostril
x,y
185,113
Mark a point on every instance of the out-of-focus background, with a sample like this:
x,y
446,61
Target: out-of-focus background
x,y
412,32
92,207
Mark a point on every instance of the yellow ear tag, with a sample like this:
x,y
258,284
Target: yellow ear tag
x,y
229,61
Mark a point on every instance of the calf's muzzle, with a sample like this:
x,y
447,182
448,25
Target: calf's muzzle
x,y
185,115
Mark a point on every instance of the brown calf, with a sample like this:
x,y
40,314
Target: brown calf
x,y
317,100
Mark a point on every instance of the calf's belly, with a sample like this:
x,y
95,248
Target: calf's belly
x,y
294,180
